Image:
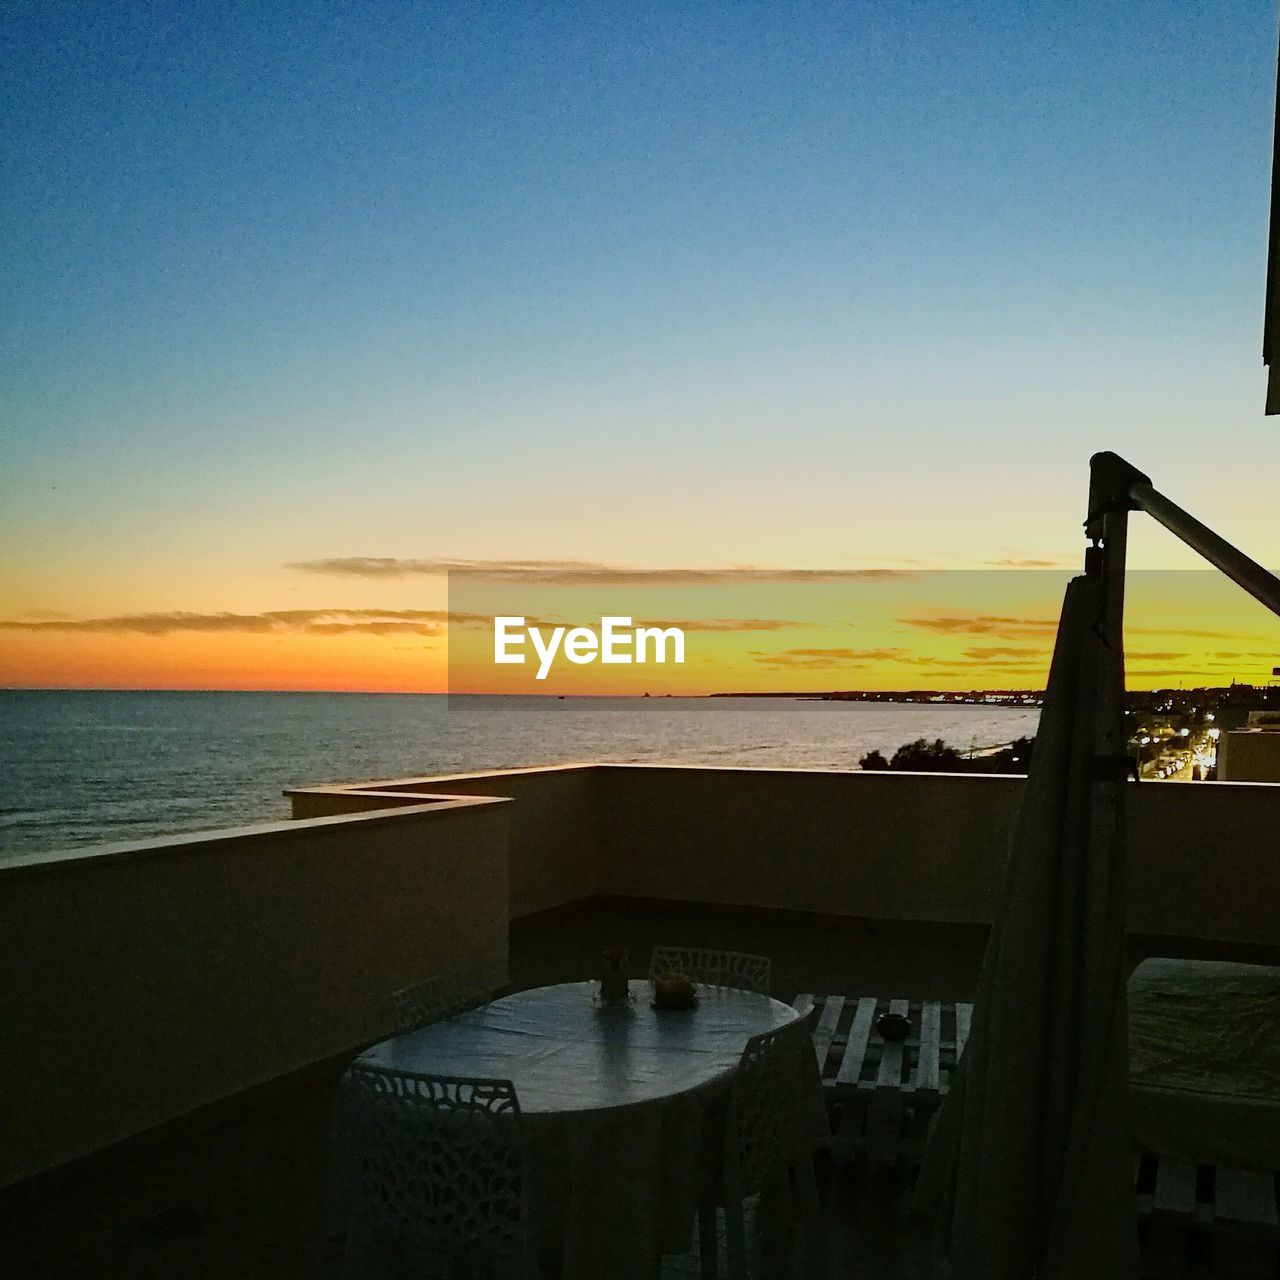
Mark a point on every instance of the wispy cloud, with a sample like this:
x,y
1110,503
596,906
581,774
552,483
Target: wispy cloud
x,y
820,659
986,624
727,624
975,666
578,571
987,653
1189,632
381,622
1062,562
328,622
393,567
1007,655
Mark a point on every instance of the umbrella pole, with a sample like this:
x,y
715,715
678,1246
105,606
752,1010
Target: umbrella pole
x,y
1111,482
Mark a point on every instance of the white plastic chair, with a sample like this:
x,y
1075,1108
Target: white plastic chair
x,y
710,968
436,998
768,1151
413,1007
442,1179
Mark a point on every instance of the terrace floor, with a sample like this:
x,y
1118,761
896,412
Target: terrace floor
x,y
237,1192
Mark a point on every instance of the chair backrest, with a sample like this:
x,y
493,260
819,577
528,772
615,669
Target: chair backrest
x,y
761,1109
436,998
441,1183
710,968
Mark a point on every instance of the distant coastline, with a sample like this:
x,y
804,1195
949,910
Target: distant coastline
x,y
1212,697
974,697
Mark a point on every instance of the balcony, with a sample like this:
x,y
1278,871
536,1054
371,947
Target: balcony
x,y
187,1005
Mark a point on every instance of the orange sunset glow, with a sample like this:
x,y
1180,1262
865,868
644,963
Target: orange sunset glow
x,y
744,631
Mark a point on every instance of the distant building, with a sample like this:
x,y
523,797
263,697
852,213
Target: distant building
x,y
1251,753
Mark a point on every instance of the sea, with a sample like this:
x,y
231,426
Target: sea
x,y
92,767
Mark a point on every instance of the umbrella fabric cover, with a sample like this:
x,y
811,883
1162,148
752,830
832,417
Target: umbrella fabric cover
x,y
1029,1170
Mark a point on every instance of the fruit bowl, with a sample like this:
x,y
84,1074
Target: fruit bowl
x,y
674,991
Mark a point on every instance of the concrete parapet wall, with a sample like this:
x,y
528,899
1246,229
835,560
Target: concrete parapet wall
x,y
1203,858
146,980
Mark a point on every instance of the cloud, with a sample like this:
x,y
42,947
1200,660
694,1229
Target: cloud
x,y
391,567
332,622
978,669
985,653
727,624
817,659
324,622
1190,633
986,624
1062,562
1021,656
584,572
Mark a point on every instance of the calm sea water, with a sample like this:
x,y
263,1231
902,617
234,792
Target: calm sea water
x,y
93,767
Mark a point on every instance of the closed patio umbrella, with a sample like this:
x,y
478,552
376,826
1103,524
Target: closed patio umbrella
x,y
1029,1171
1271,319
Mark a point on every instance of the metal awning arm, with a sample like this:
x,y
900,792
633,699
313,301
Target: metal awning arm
x,y
1116,486
1249,574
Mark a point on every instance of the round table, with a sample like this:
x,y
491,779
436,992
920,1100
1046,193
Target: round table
x,y
621,1105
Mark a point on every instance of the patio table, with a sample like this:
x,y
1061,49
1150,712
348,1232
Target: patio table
x,y
622,1105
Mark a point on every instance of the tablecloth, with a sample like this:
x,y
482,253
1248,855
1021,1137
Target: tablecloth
x,y
622,1105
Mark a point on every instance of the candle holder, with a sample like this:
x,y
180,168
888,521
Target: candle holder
x,y
613,976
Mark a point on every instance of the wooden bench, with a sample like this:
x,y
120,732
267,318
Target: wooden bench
x,y
1208,1219
1197,1220
880,1093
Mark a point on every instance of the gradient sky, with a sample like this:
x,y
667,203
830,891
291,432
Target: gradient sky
x,y
651,285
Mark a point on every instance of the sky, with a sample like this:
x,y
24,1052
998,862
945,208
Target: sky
x,y
306,303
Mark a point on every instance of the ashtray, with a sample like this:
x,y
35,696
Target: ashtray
x,y
893,1026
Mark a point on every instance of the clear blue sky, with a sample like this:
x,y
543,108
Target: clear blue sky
x,y
651,283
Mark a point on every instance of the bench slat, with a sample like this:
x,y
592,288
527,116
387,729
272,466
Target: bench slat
x,y
1175,1192
856,1049
891,1056
928,1068
1246,1198
825,1031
